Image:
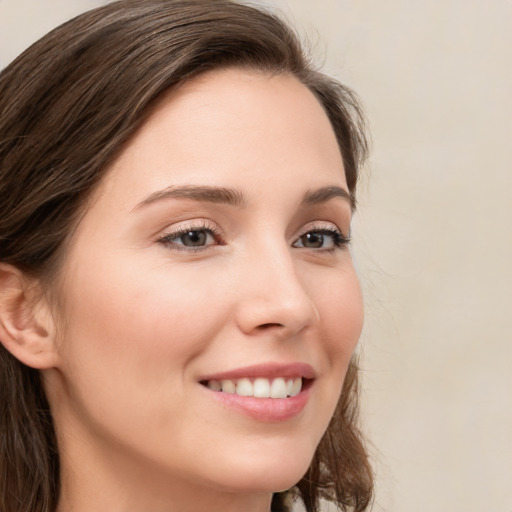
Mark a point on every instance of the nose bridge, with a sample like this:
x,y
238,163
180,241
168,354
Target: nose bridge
x,y
274,295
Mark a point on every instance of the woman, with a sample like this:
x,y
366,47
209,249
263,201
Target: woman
x,y
178,305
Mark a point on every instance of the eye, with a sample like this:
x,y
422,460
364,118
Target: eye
x,y
191,237
323,239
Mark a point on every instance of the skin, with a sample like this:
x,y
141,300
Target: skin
x,y
139,321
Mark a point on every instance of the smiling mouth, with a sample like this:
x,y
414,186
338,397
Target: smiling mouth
x,y
260,387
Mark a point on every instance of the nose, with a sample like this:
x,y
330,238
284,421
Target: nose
x,y
274,297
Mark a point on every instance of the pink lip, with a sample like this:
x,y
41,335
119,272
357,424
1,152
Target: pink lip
x,y
265,370
271,410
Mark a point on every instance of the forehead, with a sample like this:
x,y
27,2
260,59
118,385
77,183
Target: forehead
x,y
231,127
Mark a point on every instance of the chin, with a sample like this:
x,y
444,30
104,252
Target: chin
x,y
270,480
269,472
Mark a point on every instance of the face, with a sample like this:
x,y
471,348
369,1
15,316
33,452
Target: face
x,y
212,263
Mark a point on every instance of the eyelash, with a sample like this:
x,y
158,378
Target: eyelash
x,y
205,227
339,241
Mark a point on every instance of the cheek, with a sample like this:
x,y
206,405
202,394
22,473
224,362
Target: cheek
x,y
138,316
130,342
340,306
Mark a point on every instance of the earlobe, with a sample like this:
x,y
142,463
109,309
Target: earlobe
x,y
26,324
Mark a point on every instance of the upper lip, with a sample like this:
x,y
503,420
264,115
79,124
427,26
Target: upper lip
x,y
265,370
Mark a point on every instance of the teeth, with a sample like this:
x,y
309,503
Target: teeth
x,y
215,385
278,388
259,388
289,386
244,387
228,386
297,386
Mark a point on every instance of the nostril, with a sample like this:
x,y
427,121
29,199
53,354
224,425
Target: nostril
x,y
269,325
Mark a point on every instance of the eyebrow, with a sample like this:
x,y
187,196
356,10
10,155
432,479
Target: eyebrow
x,y
198,193
321,195
234,197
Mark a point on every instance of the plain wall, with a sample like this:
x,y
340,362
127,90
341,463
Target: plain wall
x,y
432,237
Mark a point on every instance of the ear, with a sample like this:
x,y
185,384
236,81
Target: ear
x,y
26,323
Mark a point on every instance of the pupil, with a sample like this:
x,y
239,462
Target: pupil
x,y
314,240
194,238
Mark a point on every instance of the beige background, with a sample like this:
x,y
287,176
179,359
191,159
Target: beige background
x,y
432,238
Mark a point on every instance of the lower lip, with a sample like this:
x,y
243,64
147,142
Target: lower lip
x,y
270,410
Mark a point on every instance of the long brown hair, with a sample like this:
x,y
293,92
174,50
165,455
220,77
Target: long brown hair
x,y
67,107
